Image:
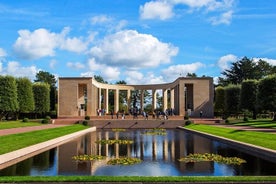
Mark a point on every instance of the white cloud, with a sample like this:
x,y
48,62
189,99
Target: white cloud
x,y
225,18
2,53
15,69
131,49
270,61
34,45
76,65
41,43
53,63
156,10
164,9
100,19
174,71
135,77
224,61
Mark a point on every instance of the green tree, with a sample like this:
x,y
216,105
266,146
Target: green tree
x,y
25,95
46,77
100,79
248,101
220,100
41,97
8,96
267,94
246,69
241,70
232,99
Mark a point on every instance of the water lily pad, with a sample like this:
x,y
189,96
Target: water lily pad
x,y
212,157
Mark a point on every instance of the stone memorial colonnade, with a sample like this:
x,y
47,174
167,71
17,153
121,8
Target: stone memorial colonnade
x,y
80,96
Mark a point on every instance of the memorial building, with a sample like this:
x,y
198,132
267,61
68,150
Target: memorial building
x,y
84,96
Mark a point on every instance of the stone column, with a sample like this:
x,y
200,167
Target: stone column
x,y
153,100
165,99
181,98
106,100
172,98
100,97
128,99
116,100
142,100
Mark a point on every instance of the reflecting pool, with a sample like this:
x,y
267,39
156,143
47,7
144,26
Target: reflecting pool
x,y
159,155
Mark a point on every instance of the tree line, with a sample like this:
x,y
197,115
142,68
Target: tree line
x,y
21,97
248,87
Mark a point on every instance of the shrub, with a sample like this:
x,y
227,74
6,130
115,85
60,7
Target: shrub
x,y
45,121
188,122
245,119
48,118
85,123
87,117
25,120
227,121
186,117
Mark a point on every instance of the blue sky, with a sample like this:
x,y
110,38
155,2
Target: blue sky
x,y
139,41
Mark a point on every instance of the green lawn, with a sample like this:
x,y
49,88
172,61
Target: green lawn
x,y
17,141
128,179
267,140
16,124
257,123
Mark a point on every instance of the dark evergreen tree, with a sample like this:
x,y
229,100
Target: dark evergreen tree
x,y
267,94
42,98
248,101
25,95
8,96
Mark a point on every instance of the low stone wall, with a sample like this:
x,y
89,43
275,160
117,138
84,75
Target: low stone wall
x,y
136,123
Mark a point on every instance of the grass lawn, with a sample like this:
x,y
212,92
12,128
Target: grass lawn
x,y
17,124
257,123
267,140
128,179
17,141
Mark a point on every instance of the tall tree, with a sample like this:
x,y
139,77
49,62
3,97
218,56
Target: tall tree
x,y
246,69
248,101
8,96
46,77
241,70
41,97
25,95
219,100
100,79
267,94
232,99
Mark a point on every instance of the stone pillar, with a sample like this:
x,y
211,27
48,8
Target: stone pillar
x,y
128,99
181,98
106,100
142,100
153,100
165,99
172,98
100,98
116,100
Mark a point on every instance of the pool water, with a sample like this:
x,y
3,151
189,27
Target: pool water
x,y
160,156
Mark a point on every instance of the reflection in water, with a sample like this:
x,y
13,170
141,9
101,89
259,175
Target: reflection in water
x,y
160,156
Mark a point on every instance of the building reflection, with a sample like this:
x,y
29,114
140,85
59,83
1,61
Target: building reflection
x,y
145,147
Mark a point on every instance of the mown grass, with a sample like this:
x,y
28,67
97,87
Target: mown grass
x,y
128,179
257,123
267,140
17,141
17,124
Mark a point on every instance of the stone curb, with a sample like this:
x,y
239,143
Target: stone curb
x,y
265,153
13,157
